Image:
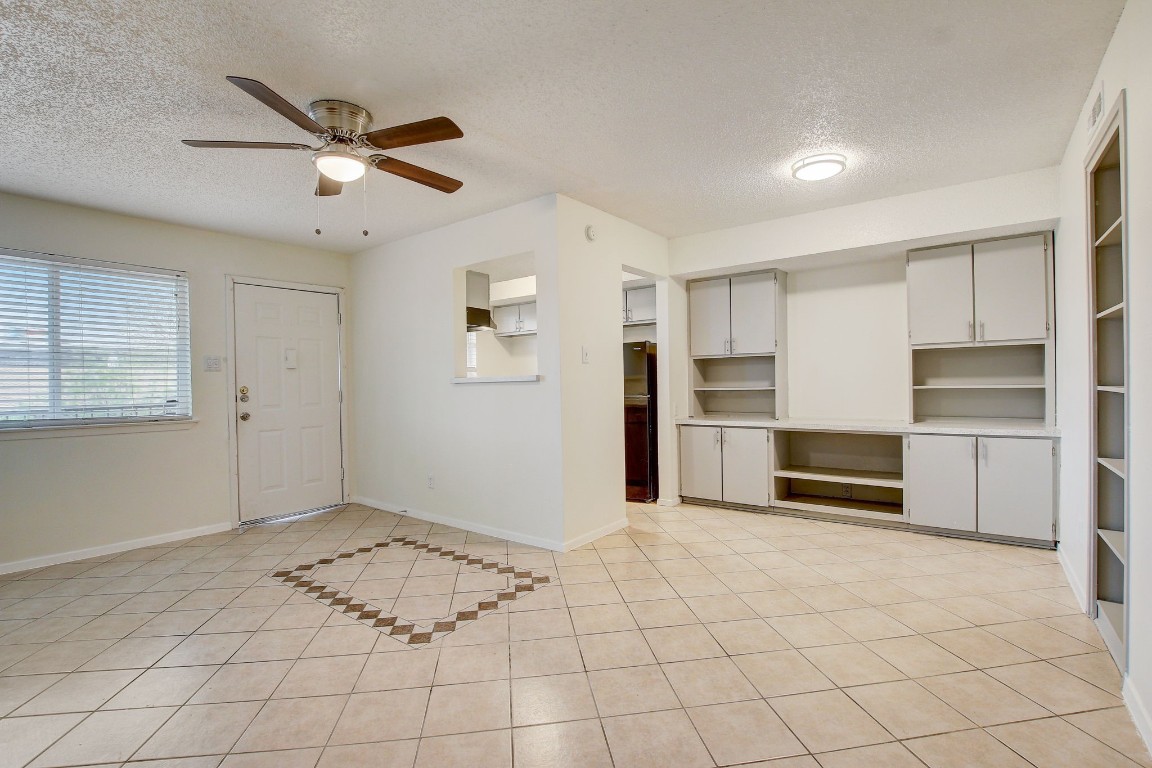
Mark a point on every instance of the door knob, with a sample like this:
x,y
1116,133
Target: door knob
x,y
243,398
245,416
243,390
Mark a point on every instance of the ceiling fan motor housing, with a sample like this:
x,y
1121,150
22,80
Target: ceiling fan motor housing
x,y
341,118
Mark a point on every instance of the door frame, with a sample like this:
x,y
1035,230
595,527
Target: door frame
x,y
231,282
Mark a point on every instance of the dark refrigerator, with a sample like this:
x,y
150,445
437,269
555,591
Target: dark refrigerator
x,y
640,465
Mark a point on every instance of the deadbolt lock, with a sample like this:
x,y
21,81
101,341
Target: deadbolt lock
x,y
243,390
243,398
245,416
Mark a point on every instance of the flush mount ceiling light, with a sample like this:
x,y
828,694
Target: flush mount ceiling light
x,y
339,164
819,167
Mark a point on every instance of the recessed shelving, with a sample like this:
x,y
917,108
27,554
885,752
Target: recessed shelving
x,y
1112,235
1114,390
853,476
734,389
834,504
980,383
978,386
733,386
1115,542
1115,311
1118,466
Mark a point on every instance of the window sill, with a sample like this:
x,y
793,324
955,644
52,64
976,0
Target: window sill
x,y
87,430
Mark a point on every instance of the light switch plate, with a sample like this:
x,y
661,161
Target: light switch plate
x,y
584,355
213,363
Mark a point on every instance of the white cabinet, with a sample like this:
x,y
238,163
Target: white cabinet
x,y
1001,486
940,295
993,291
1015,489
724,464
640,305
1010,281
941,481
701,473
733,316
515,319
745,464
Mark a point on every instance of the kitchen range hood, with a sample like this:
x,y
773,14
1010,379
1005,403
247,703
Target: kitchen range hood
x,y
477,302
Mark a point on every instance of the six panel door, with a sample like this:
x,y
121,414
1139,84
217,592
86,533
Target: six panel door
x,y
753,307
940,295
701,472
1011,289
745,465
1015,495
709,316
940,481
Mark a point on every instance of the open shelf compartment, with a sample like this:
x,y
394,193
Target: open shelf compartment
x,y
843,473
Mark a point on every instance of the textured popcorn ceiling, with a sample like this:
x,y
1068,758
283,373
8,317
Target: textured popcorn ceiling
x,y
680,115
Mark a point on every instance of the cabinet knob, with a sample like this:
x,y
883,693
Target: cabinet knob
x,y
245,416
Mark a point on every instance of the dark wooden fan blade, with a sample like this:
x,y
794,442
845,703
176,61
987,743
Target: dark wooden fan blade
x,y
243,144
416,173
270,98
422,132
327,187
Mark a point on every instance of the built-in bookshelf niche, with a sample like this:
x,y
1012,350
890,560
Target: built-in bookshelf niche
x,y
735,386
980,383
832,471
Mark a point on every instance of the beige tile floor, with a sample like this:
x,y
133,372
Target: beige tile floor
x,y
698,637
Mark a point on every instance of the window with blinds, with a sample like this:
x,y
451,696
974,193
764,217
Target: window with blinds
x,y
86,342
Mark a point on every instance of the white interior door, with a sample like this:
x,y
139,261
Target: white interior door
x,y
941,481
701,473
940,295
1011,281
709,316
288,430
753,315
746,466
1016,487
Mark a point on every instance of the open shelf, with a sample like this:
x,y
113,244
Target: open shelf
x,y
851,476
1115,311
735,402
734,389
1109,264
979,403
1019,364
1110,620
1117,466
1112,235
978,386
1115,542
734,386
1113,390
1110,488
841,505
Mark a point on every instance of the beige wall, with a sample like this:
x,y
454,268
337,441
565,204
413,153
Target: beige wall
x,y
68,497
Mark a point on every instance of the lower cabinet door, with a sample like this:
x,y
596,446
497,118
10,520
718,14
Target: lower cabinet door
x,y
745,465
1015,491
941,481
701,473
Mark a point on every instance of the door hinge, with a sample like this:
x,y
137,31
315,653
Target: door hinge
x,y
339,319
1053,449
907,260
341,396
775,280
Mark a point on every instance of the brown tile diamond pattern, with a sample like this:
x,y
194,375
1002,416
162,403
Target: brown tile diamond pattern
x,y
520,582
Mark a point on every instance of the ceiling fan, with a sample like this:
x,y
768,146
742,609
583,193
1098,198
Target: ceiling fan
x,y
343,129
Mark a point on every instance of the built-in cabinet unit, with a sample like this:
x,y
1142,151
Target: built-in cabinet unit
x,y
639,305
515,319
728,464
1108,258
979,327
999,486
737,360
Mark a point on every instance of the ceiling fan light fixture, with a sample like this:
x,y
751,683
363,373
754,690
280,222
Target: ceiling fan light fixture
x,y
819,167
339,165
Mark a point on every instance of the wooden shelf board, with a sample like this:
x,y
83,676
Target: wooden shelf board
x,y
734,389
840,505
1116,542
1117,390
978,386
1118,466
1112,235
854,476
1116,311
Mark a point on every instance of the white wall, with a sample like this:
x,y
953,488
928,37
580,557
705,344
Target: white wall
x,y
61,495
848,342
505,355
1126,65
592,402
493,449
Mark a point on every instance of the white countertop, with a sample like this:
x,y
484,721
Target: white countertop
x,y
989,427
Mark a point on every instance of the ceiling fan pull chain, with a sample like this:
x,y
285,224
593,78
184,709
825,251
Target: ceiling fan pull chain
x,y
317,205
364,200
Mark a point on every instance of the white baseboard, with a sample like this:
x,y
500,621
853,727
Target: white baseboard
x,y
1070,574
668,502
111,549
1138,711
580,541
467,525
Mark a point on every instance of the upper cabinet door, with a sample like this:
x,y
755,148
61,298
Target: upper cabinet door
x,y
528,317
507,319
642,305
941,481
701,472
753,315
745,466
709,316
1011,279
1015,493
940,295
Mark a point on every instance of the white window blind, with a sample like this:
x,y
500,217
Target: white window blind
x,y
470,354
89,342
